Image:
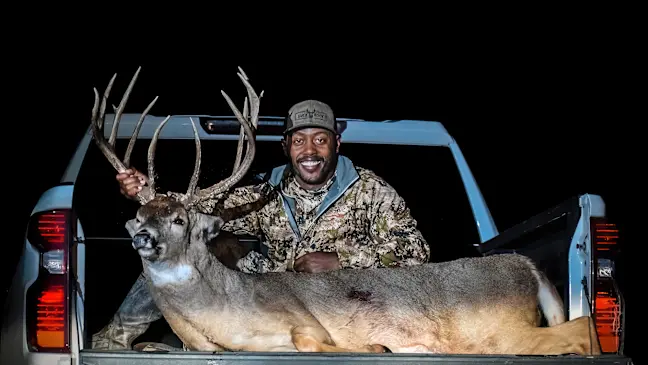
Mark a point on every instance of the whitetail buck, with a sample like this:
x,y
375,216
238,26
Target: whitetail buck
x,y
486,305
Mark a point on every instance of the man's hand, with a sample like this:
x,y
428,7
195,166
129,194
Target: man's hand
x,y
317,262
131,182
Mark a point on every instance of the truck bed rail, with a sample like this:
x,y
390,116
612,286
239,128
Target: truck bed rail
x,y
89,357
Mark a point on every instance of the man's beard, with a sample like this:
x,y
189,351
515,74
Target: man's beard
x,y
313,170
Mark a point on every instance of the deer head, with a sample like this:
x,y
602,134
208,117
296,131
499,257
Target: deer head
x,y
166,223
164,228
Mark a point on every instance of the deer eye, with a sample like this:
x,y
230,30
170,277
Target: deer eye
x,y
178,221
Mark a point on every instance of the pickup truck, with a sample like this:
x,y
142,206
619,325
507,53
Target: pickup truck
x,y
77,263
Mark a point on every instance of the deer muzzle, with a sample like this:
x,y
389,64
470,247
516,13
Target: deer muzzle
x,y
143,240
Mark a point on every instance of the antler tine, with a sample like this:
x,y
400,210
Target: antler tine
x,y
104,100
97,132
251,117
253,97
120,110
151,153
138,126
239,147
196,173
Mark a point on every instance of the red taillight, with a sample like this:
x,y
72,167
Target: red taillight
x,y
48,298
608,301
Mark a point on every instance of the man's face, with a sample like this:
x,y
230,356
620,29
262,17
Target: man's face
x,y
313,154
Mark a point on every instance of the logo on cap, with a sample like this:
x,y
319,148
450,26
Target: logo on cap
x,y
307,114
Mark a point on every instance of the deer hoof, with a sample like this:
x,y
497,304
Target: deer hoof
x,y
154,347
378,348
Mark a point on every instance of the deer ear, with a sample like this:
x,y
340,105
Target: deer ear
x,y
206,227
130,227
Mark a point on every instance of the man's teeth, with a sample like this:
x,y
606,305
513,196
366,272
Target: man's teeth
x,y
310,163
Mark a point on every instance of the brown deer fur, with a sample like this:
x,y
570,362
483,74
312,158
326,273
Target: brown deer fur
x,y
484,305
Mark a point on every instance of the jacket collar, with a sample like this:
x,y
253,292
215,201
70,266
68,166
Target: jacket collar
x,y
346,175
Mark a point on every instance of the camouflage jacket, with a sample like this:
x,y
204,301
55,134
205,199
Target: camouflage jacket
x,y
357,215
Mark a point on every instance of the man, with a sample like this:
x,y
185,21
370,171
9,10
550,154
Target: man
x,y
328,215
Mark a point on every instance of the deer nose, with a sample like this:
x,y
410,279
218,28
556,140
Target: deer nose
x,y
143,240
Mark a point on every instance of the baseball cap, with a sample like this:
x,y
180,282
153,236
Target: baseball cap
x,y
310,113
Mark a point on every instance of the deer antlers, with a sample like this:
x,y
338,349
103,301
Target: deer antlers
x,y
247,123
108,147
193,195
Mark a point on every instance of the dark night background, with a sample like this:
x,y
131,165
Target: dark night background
x,y
540,115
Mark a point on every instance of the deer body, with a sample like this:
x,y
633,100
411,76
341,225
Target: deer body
x,y
471,305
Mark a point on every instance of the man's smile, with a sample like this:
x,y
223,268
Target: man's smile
x,y
310,166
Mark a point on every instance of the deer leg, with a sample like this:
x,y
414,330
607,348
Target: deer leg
x,y
191,337
577,336
317,339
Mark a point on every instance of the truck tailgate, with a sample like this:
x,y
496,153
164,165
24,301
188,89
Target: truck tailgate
x,y
197,358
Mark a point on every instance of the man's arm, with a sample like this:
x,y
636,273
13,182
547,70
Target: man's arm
x,y
394,231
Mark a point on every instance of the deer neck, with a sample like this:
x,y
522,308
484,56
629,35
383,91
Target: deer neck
x,y
213,270
195,269
170,273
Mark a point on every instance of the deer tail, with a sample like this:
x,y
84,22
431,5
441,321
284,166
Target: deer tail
x,y
548,298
